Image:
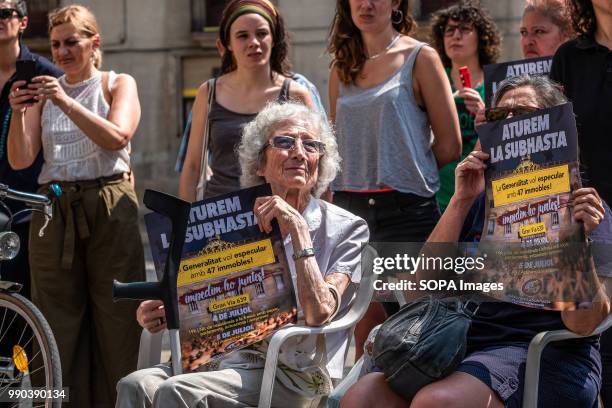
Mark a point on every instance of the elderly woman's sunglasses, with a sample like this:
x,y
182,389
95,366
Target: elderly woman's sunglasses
x,y
502,112
288,142
7,13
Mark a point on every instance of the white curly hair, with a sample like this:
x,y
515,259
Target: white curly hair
x,y
257,133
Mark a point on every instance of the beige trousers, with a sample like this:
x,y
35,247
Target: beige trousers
x,y
227,388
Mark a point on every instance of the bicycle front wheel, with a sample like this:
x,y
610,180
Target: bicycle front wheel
x,y
29,359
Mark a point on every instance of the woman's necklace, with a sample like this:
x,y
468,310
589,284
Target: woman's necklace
x,y
391,44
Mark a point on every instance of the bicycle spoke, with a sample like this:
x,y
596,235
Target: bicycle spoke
x,y
25,327
37,370
3,389
8,327
34,357
3,318
31,337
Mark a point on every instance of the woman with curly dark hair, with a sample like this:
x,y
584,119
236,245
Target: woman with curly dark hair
x,y
255,71
465,36
387,93
584,67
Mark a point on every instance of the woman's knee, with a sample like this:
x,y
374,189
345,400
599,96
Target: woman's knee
x,y
132,391
138,388
459,390
168,390
433,396
371,390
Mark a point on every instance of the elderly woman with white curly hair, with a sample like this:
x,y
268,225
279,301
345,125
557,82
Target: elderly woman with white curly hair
x,y
292,148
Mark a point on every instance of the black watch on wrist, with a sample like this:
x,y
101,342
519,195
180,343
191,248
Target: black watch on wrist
x,y
304,253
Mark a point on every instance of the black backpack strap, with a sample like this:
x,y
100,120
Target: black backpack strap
x,y
283,96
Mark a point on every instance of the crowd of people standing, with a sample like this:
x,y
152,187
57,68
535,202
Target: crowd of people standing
x,y
401,133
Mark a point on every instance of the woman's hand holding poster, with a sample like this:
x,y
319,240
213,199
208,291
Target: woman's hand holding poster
x,y
234,285
533,244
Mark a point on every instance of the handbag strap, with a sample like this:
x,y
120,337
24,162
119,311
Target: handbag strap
x,y
471,303
206,131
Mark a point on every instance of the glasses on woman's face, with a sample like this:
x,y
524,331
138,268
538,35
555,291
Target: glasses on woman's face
x,y
464,29
502,112
7,13
310,146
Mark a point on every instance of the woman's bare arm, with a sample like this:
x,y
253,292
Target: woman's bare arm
x,y
433,91
113,132
193,159
24,136
333,89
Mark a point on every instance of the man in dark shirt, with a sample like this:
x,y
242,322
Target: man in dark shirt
x,y
13,21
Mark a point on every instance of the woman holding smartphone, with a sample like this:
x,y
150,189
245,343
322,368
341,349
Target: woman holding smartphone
x,y
83,122
255,71
388,92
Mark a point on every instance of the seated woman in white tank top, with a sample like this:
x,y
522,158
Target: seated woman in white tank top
x,y
83,122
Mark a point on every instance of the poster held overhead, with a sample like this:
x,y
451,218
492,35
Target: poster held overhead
x,y
494,74
533,244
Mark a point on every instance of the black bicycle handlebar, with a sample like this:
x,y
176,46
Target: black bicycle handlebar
x,y
177,211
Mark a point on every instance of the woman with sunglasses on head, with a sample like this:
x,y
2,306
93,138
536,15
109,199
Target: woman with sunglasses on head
x,y
387,92
83,123
492,373
584,67
465,36
546,24
255,71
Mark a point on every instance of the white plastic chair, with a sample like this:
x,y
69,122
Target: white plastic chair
x,y
534,354
333,400
347,321
149,352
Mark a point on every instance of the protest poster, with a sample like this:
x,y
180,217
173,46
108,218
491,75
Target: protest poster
x,y
532,242
494,74
234,286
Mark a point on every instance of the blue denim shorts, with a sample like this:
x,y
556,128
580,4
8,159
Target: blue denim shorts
x,y
570,374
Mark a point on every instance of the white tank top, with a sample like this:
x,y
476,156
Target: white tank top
x,y
69,154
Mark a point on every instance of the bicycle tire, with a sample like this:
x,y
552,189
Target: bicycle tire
x,y
44,337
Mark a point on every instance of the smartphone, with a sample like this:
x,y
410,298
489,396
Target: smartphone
x,y
466,79
26,70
